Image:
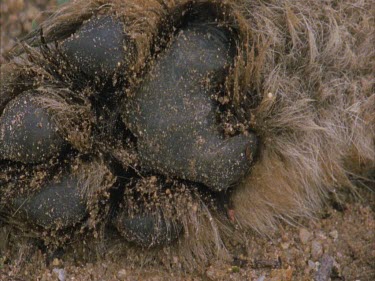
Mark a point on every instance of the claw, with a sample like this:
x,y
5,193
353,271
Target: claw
x,y
173,116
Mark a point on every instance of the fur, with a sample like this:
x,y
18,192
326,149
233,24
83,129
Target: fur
x,y
303,81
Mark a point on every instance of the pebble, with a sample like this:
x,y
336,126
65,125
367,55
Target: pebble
x,y
311,264
321,235
334,234
56,262
285,245
281,274
210,273
61,275
304,235
122,274
316,250
325,269
214,273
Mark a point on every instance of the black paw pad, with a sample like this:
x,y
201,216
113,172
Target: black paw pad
x,y
27,133
57,205
99,47
148,230
173,115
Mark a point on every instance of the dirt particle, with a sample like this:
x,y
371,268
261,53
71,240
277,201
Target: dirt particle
x,y
316,250
213,273
304,235
334,234
56,262
122,274
325,269
311,264
60,274
281,274
285,245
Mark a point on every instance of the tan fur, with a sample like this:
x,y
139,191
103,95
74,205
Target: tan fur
x,y
311,65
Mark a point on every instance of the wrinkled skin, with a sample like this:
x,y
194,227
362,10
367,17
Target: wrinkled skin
x,y
172,116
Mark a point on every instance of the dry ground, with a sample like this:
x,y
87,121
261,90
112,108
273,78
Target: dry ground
x,y
343,234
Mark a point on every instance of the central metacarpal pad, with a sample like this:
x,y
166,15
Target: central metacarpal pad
x,y
173,115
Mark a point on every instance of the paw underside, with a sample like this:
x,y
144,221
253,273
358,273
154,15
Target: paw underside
x,y
162,145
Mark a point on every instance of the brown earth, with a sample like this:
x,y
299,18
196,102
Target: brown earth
x,y
341,240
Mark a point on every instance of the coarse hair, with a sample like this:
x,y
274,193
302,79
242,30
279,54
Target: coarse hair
x,y
303,81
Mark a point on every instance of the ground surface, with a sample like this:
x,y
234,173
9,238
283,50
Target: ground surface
x,y
342,234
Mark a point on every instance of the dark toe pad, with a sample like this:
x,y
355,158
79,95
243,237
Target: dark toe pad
x,y
27,133
148,230
58,204
100,47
